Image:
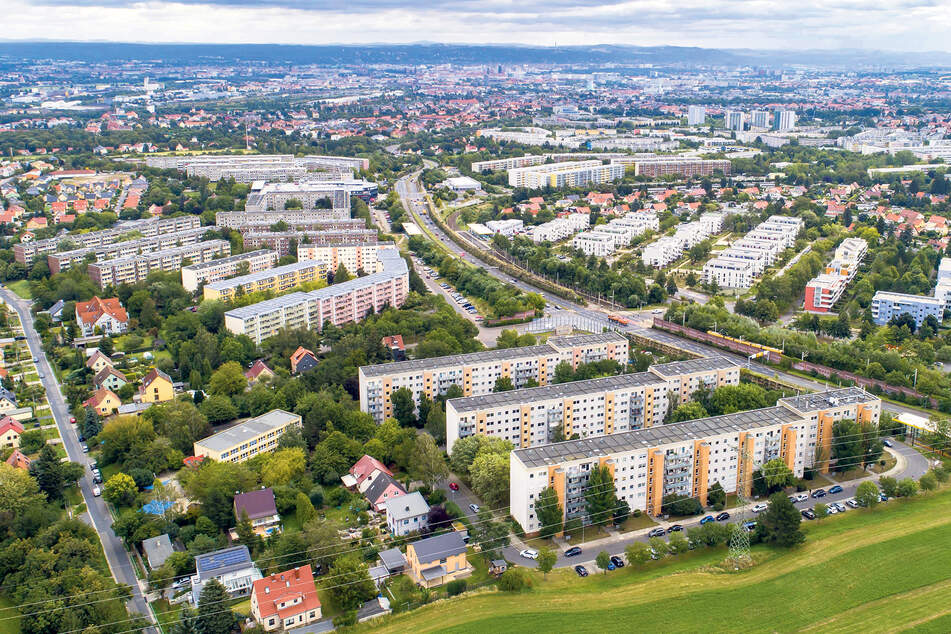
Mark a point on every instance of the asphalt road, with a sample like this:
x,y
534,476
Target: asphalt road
x,y
116,554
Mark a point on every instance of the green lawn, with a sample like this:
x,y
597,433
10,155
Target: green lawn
x,y
9,617
21,288
851,575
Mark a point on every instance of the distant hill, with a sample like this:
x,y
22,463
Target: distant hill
x,y
424,53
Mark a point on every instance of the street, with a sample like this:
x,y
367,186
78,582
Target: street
x,y
116,554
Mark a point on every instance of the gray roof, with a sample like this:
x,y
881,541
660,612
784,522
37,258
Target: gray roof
x,y
824,400
677,368
569,341
555,391
379,484
157,550
438,547
654,436
231,258
183,250
435,572
248,429
407,506
222,561
263,275
392,559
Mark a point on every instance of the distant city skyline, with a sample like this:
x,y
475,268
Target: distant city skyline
x,y
900,25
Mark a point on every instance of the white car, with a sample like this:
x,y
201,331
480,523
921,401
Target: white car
x,y
802,497
474,508
831,510
529,553
851,502
759,508
96,491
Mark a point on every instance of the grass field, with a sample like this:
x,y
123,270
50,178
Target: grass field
x,y
887,569
21,288
9,618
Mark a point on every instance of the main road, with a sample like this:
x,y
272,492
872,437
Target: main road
x,y
116,555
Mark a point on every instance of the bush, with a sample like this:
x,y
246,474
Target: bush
x,y
337,496
928,482
681,505
636,513
317,496
436,497
455,587
345,619
32,441
941,473
573,525
514,580
907,488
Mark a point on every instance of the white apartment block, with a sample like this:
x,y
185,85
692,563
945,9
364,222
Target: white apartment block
x,y
63,260
685,458
687,167
136,268
505,227
274,196
641,221
728,272
734,120
824,290
353,257
560,228
696,115
760,119
662,252
495,165
615,404
194,275
248,168
339,304
596,243
300,220
525,136
623,234
942,289
569,174
476,373
740,264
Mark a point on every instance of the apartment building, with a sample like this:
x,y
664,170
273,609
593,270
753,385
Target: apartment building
x,y
277,280
63,260
252,437
295,219
338,304
530,176
680,166
282,241
662,252
886,306
596,243
194,275
495,165
741,263
251,167
824,290
505,227
352,256
136,268
734,120
610,405
328,198
784,120
27,252
685,458
477,372
572,176
641,221
696,115
560,228
942,289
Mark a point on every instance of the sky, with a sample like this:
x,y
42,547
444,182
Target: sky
x,y
901,25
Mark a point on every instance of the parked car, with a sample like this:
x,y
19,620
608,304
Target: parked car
x,y
759,508
882,498
96,479
831,510
85,448
887,443
96,491
657,532
851,502
706,520
453,486
801,497
574,551
474,508
749,525
835,489
529,553
617,561
841,508
818,493
808,514
72,419
582,571
722,517
676,528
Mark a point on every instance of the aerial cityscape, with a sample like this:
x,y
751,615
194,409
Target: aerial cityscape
x,y
396,317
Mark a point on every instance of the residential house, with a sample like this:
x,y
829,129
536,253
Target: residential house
x,y
8,400
56,310
381,490
38,222
395,345
258,371
362,469
10,431
19,460
156,387
260,508
109,378
392,563
98,361
107,315
437,560
406,514
286,600
157,550
303,360
104,401
252,437
232,567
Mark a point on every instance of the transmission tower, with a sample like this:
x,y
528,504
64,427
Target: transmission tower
x,y
740,539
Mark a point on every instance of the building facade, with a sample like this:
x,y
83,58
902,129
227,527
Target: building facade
x,y
277,280
194,275
886,306
250,438
62,260
136,268
282,241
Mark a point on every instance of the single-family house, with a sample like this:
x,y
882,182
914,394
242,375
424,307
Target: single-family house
x,y
407,513
109,378
98,361
363,469
258,371
232,567
56,310
156,387
437,560
19,460
157,550
286,600
8,400
394,344
104,401
107,315
260,508
10,431
381,490
303,360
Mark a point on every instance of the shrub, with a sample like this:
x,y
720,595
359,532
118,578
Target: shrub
x,y
941,473
573,525
514,580
907,488
337,496
317,496
455,587
436,497
928,482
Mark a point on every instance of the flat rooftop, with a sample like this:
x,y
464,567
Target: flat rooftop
x,y
247,430
691,366
164,253
824,400
265,274
904,297
556,391
231,258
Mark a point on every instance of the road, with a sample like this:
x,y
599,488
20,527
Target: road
x,y
915,466
116,555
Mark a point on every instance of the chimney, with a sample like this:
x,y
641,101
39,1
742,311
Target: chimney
x,y
267,589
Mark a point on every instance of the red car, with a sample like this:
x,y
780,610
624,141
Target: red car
x,y
72,419
453,486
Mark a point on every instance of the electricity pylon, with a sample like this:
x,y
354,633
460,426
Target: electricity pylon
x,y
740,539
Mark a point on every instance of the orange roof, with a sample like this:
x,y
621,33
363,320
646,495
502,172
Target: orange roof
x,y
98,397
90,312
19,460
154,374
7,423
300,353
295,587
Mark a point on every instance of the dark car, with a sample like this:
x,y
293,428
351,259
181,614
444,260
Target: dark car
x,y
657,532
819,493
706,520
808,514
582,571
722,517
835,489
617,561
574,551
676,528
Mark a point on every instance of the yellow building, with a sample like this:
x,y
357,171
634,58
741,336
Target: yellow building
x,y
437,560
279,280
156,387
104,401
252,437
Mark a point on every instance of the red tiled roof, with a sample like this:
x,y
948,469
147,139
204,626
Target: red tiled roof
x,y
19,460
89,312
7,423
285,587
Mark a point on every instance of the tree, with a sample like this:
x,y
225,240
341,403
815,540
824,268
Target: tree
x,y
907,488
779,524
622,510
659,546
599,496
847,450
228,380
867,494
489,475
638,553
677,543
429,466
246,534
120,489
928,482
91,424
777,474
436,424
603,560
342,274
491,536
889,486
549,511
564,373
716,496
284,466
352,585
212,619
821,510
48,471
688,411
681,505
218,409
18,491
403,407
180,422
503,384
547,558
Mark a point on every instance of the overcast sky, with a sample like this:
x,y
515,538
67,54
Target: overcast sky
x,y
908,25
